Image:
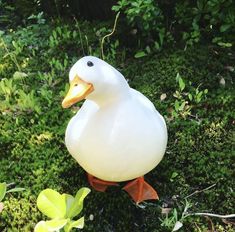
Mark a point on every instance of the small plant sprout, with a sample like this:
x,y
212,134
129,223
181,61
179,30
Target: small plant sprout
x,y
186,98
175,220
61,208
3,191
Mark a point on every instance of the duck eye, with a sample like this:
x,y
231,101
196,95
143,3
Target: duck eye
x,y
89,63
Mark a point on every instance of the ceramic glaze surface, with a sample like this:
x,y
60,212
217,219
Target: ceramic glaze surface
x,y
117,135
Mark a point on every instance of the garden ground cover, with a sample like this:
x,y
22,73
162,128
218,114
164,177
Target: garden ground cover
x,y
200,153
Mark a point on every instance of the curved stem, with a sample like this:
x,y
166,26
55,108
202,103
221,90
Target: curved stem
x,y
102,41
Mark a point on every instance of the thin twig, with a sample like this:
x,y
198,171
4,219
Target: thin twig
x,y
212,215
102,41
228,221
197,227
10,184
79,31
210,223
87,44
199,191
57,9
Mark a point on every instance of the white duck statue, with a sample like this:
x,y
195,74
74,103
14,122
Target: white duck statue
x,y
117,135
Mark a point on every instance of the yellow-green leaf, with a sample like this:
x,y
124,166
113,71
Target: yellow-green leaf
x,y
79,224
69,199
49,226
56,224
41,227
140,54
15,190
19,75
181,84
3,189
77,204
52,204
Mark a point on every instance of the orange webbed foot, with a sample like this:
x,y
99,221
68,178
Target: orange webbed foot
x,y
98,184
140,190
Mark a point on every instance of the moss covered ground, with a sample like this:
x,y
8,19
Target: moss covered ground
x,y
200,151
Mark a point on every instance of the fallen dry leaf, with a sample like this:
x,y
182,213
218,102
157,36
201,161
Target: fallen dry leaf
x,y
166,210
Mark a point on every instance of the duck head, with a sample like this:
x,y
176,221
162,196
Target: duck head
x,y
94,79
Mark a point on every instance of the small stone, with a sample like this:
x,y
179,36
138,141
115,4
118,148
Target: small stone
x,y
163,97
222,81
134,31
177,226
91,217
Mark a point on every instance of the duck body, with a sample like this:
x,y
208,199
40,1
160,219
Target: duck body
x,y
119,141
117,135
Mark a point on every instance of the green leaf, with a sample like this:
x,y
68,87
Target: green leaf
x,y
225,45
79,224
177,105
156,45
69,199
175,214
200,5
14,44
77,204
19,75
56,224
41,227
3,189
174,174
225,27
52,204
15,190
52,225
54,34
181,108
59,30
190,96
161,37
140,54
116,8
177,77
181,84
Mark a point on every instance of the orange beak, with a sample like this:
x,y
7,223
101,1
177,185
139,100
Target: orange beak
x,y
78,90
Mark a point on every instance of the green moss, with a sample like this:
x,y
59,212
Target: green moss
x,y
19,214
199,152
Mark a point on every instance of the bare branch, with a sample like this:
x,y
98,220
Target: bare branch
x,y
199,191
212,215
